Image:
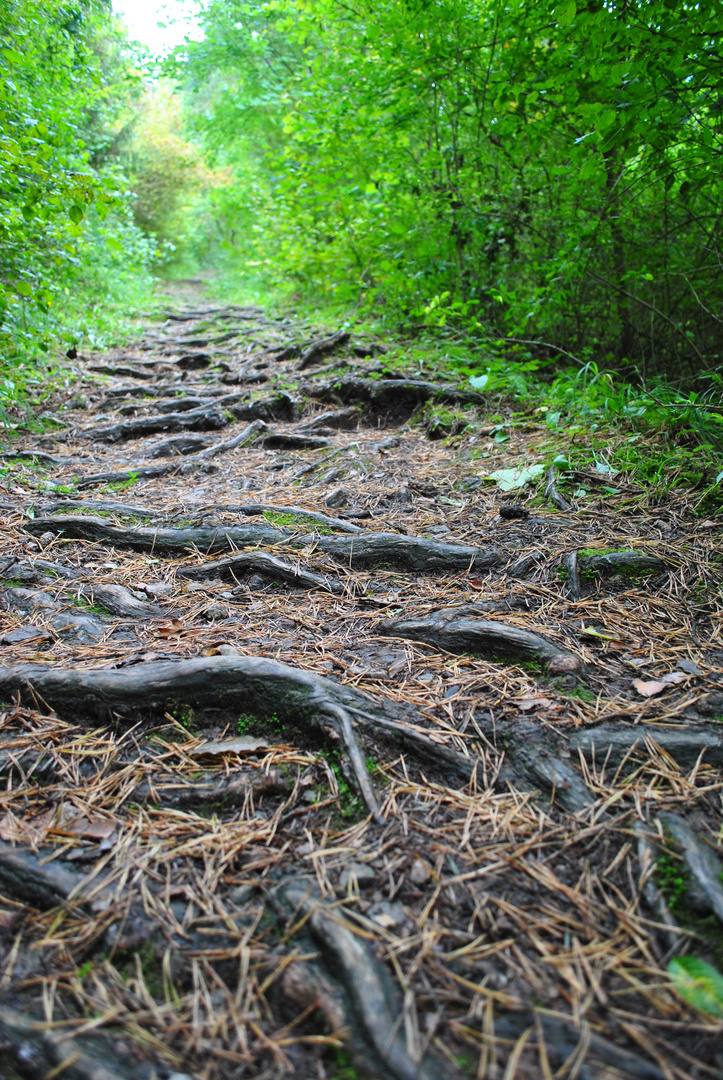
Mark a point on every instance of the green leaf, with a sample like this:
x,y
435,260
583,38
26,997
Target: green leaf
x,y
478,382
513,479
565,13
698,983
23,288
76,214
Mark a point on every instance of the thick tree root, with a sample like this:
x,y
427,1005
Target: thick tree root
x,y
571,564
26,878
319,349
647,852
208,791
367,997
540,767
626,562
244,683
203,419
553,494
369,549
35,1050
341,419
315,516
260,562
247,509
119,601
613,744
281,440
162,540
391,395
563,1039
700,860
140,472
453,630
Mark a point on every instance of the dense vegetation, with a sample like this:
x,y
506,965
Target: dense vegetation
x,y
527,184
538,171
69,251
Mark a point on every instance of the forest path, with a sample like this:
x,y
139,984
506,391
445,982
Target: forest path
x,y
326,758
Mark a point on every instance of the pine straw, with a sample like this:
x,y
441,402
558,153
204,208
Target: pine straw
x,y
487,901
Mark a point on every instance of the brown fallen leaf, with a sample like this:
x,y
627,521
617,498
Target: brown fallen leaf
x,y
89,828
525,704
650,687
673,678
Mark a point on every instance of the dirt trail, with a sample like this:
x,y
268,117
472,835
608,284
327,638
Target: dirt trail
x,y
325,759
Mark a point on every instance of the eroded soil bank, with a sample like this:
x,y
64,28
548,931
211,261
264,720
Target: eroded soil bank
x,y
321,757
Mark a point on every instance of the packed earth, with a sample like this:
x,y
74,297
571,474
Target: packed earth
x,y
323,755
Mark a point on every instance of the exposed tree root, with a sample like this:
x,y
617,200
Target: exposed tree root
x,y
32,880
685,746
319,349
454,630
412,552
252,509
280,440
259,562
369,1003
244,683
119,601
369,549
553,494
204,419
571,564
391,395
563,1041
341,419
647,851
37,1051
615,562
700,860
277,407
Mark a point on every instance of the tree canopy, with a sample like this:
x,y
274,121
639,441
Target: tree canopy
x,y
540,171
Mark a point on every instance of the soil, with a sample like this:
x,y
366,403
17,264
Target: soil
x,y
324,758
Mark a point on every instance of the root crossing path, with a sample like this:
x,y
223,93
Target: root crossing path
x,y
321,758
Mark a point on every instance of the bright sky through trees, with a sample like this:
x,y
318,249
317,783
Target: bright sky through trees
x,y
142,17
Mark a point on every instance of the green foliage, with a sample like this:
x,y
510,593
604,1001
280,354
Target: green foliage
x,y
254,725
66,238
672,878
527,172
698,983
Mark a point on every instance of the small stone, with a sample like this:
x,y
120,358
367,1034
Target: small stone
x,y
420,872
156,588
689,667
564,665
241,893
387,914
25,633
215,611
355,876
227,650
337,497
